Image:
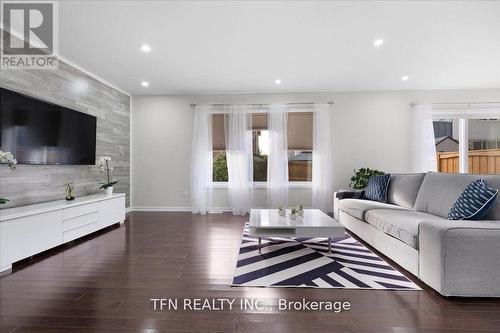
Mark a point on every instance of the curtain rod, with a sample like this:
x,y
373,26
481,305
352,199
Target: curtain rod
x,y
449,103
263,104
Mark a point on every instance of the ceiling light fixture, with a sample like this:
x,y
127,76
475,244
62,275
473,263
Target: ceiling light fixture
x,y
145,48
145,84
405,78
277,81
378,42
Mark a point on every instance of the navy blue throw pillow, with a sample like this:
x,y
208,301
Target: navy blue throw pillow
x,y
376,189
474,202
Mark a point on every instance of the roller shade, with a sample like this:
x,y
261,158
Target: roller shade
x,y
259,122
300,130
218,134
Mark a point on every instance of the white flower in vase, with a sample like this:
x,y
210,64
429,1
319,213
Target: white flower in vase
x,y
104,164
6,157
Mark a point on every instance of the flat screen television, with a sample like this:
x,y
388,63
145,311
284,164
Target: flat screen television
x,y
38,132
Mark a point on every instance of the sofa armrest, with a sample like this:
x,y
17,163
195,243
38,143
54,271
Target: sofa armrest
x,y
460,258
344,194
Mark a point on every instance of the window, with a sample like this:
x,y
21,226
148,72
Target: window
x,y
480,150
299,136
260,146
219,162
447,146
300,141
484,146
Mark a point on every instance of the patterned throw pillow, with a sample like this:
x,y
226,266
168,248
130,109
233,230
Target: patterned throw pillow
x,y
376,189
474,202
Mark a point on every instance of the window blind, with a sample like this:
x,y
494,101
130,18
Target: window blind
x,y
300,129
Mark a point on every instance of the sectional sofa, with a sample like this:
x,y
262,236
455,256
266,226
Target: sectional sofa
x,y
456,258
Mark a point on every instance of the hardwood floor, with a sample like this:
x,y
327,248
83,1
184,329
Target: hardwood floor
x,y
104,283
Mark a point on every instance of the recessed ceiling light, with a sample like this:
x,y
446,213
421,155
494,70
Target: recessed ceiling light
x,y
145,48
145,84
277,81
378,42
405,78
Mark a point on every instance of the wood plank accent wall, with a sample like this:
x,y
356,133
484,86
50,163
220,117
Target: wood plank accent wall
x,y
74,89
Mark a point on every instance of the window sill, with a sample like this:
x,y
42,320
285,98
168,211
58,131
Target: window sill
x,y
292,185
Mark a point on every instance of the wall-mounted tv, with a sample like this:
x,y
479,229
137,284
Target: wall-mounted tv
x,y
38,132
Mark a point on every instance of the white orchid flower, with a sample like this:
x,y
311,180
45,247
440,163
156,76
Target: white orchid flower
x,y
103,163
6,157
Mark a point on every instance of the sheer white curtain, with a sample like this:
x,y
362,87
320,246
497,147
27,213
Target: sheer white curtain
x,y
277,161
322,182
201,157
239,158
423,143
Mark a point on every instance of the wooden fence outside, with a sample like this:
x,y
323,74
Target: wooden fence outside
x,y
480,161
299,171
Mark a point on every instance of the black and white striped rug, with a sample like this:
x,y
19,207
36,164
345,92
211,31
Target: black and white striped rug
x,y
305,262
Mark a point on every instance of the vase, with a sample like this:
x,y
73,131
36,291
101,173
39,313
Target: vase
x,y
293,216
281,212
109,190
300,213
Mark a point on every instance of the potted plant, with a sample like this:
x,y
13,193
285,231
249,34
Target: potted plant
x,y
7,158
361,176
104,165
69,188
293,214
300,210
281,210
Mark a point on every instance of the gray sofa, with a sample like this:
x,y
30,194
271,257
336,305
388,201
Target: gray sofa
x,y
456,258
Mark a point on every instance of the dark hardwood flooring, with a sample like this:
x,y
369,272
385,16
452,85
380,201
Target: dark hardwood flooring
x,y
104,282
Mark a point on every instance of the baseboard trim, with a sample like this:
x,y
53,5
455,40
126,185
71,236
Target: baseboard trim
x,y
182,209
215,210
175,209
160,209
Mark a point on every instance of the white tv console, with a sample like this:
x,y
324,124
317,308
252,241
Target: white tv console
x,y
28,230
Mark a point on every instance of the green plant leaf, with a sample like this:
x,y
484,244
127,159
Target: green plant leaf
x,y
361,177
219,169
106,185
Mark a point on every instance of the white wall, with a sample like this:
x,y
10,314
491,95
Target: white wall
x,y
370,129
161,149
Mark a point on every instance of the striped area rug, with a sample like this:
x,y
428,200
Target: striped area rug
x,y
304,262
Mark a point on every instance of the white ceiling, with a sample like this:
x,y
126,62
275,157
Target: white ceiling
x,y
243,46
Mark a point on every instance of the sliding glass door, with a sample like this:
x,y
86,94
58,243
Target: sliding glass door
x,y
484,146
468,141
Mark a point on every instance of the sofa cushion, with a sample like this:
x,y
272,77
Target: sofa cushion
x,y
474,202
357,208
439,191
377,186
400,224
403,189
